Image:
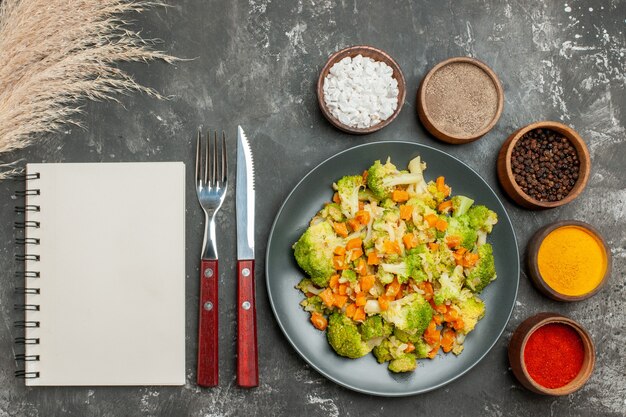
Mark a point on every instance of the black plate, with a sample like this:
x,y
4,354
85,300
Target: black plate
x,y
282,273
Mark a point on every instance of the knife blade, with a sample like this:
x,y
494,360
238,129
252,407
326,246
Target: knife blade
x,y
247,355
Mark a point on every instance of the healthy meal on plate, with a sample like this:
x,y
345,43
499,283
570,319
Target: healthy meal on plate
x,y
395,265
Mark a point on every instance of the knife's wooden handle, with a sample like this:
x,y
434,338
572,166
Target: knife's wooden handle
x,y
208,359
247,356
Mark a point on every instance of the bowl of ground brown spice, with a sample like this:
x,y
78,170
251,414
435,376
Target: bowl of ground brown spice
x,y
544,165
460,100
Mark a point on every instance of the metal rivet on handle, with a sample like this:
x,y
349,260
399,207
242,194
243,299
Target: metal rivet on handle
x,y
208,272
245,272
208,306
245,305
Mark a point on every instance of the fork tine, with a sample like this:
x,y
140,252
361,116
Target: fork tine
x,y
224,160
214,156
207,159
198,159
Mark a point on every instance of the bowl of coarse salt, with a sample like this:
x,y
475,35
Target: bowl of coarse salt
x,y
361,89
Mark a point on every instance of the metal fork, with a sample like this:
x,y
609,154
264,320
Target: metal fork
x,y
211,185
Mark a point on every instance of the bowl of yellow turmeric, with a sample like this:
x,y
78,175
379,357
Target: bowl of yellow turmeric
x,y
569,260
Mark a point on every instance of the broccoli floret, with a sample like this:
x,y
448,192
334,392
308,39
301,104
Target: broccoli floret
x,y
411,312
348,189
451,285
481,218
422,206
367,195
382,179
382,352
343,335
406,363
406,336
384,277
438,196
374,326
314,303
460,205
411,267
421,348
460,226
387,203
333,211
471,309
349,274
484,271
391,215
314,252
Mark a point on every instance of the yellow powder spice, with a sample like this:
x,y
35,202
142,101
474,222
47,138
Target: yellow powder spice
x,y
572,260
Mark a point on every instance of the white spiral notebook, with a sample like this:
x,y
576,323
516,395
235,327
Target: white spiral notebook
x,y
104,274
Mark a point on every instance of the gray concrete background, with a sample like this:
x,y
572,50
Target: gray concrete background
x,y
256,63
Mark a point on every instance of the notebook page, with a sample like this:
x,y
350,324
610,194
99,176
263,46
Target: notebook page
x,y
112,247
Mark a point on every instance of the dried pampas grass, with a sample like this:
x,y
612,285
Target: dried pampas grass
x,y
56,53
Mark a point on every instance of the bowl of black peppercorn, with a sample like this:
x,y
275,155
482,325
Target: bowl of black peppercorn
x,y
544,165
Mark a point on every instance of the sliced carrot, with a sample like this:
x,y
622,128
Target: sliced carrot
x,y
341,290
438,319
441,308
391,247
461,250
447,340
445,206
339,250
399,196
361,267
431,219
470,259
432,335
372,258
367,282
451,315
319,321
328,298
427,287
410,347
393,288
350,310
441,225
340,300
383,302
361,205
441,184
409,240
363,216
453,241
364,175
355,225
434,247
400,293
336,198
406,212
334,282
434,351
340,229
354,243
359,314
458,324
356,254
339,263
361,299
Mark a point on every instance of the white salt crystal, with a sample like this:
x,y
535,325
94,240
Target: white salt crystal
x,y
361,92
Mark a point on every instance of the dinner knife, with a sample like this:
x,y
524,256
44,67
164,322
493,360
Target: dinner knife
x,y
247,363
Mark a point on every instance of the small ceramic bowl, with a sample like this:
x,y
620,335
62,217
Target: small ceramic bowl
x,y
507,179
533,267
439,131
377,55
518,344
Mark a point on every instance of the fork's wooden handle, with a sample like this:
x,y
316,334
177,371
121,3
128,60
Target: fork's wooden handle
x,y
208,325
247,357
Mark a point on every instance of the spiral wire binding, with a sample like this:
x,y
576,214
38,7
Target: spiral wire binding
x,y
24,274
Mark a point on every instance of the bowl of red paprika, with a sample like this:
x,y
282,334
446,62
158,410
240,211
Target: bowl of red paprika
x,y
551,354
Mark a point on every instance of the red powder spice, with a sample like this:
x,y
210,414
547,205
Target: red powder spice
x,y
553,355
